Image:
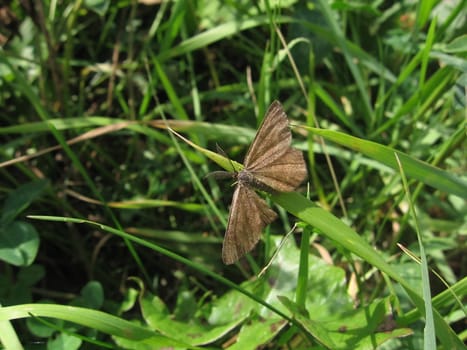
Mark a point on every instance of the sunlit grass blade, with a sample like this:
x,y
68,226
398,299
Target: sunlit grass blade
x,y
93,319
216,157
343,235
212,35
429,338
166,252
414,168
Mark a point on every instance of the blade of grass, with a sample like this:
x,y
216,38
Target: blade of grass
x,y
429,339
21,84
210,36
93,319
168,253
343,235
326,10
414,168
339,232
423,97
8,337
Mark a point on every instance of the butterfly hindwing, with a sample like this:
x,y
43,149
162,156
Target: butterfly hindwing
x,y
284,174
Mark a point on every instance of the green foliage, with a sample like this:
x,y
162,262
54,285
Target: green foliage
x,y
111,115
19,240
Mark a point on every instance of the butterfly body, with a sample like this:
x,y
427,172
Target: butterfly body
x,y
270,165
247,178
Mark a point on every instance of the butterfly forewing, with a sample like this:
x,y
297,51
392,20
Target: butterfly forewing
x,y
249,214
270,157
272,139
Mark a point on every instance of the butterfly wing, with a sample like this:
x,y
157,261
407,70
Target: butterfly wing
x,y
270,158
249,214
284,174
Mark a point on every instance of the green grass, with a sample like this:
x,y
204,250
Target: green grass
x,y
110,234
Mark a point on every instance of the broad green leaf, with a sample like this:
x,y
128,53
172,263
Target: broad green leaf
x,y
19,243
19,199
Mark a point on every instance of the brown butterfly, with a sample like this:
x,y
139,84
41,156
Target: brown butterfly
x,y
270,165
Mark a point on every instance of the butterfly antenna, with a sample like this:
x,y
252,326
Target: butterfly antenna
x,y
221,151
